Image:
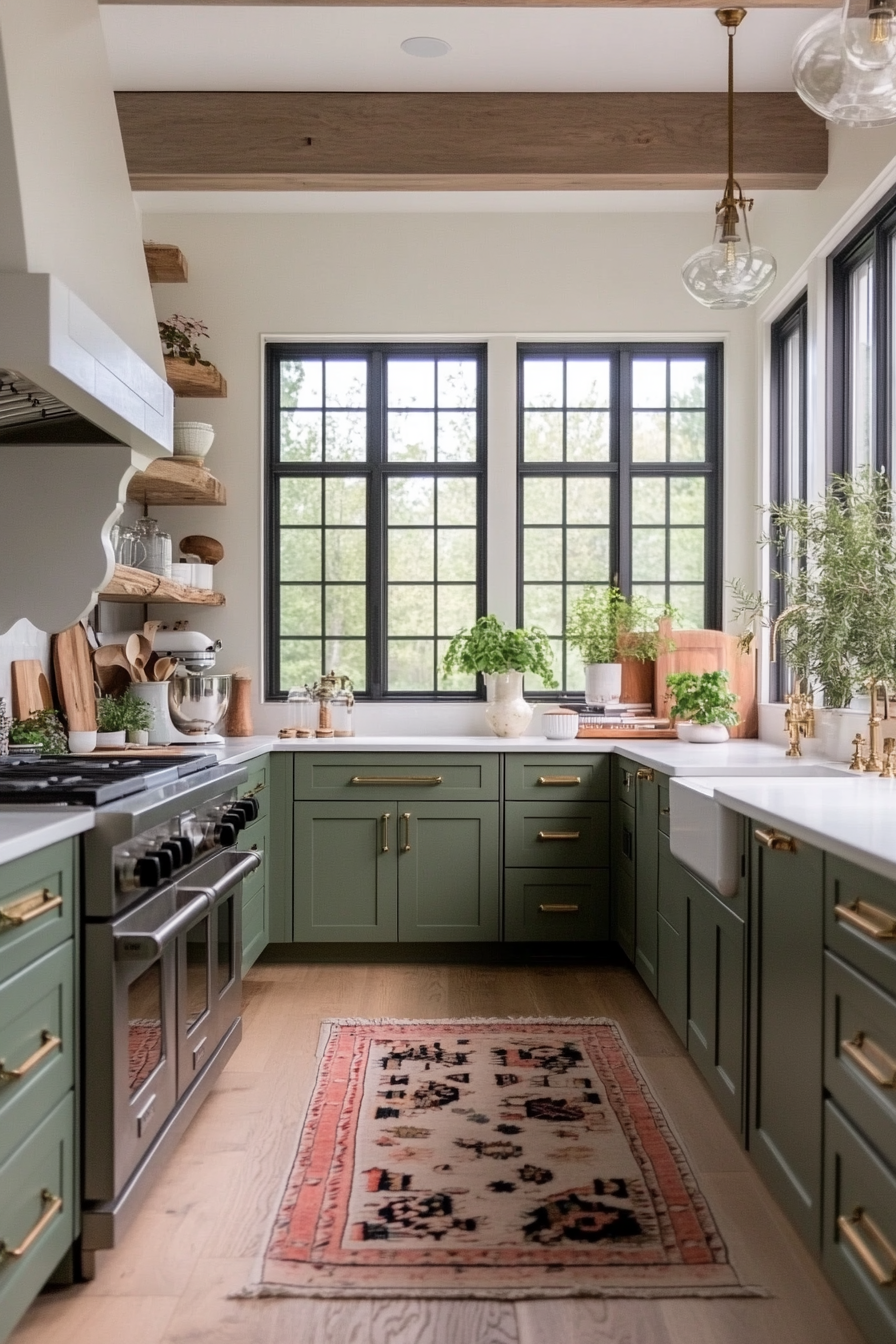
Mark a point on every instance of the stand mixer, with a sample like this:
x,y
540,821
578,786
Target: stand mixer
x,y
188,707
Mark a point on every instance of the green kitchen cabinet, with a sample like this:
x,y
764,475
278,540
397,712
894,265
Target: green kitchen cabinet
x,y
346,874
717,1008
647,810
787,1015
449,887
279,864
256,887
622,855
673,892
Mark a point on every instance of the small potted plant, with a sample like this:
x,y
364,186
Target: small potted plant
x,y
187,372
606,626
123,717
704,707
496,651
42,730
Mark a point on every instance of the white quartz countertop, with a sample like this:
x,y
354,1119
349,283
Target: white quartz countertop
x,y
853,817
24,830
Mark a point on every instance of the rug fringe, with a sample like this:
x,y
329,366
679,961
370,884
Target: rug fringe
x,y
470,1021
261,1290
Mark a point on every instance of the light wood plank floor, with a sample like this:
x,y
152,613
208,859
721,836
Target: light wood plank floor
x,y
199,1233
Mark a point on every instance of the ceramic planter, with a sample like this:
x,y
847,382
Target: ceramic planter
x,y
603,683
507,712
702,732
111,739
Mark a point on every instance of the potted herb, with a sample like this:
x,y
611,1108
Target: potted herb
x,y
605,626
703,708
186,371
492,648
122,717
42,729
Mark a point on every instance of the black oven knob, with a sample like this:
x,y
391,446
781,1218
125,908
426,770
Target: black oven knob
x,y
225,833
235,817
148,871
185,845
164,860
175,849
248,807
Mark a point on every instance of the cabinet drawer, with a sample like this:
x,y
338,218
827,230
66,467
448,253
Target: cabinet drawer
x,y
859,1247
349,778
255,837
860,1052
626,771
556,778
255,927
663,822
43,1163
258,785
37,896
555,906
624,837
37,1035
860,919
556,835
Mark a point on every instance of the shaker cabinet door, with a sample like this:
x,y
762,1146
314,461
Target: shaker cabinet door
x,y
345,874
646,861
717,999
448,872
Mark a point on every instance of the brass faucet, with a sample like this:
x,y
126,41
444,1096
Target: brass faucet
x,y
866,756
799,718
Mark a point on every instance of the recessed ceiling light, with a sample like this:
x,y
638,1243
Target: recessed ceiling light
x,y
425,46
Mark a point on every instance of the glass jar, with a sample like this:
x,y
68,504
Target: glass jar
x,y
341,707
302,711
157,545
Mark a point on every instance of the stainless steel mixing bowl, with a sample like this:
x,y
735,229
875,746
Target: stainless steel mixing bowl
x,y
197,703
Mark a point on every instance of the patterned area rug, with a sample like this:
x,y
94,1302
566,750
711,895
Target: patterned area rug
x,y
479,1158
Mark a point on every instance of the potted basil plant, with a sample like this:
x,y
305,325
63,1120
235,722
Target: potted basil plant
x,y
605,626
704,707
120,718
502,655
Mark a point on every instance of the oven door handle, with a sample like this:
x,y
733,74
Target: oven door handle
x,y
146,946
240,869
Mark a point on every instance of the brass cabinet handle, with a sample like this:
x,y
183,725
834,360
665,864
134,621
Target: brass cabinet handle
x,y
558,909
52,1206
664,811
384,847
259,788
878,1065
25,908
396,779
775,840
850,1228
628,779
559,779
406,847
646,775
50,1043
868,919
559,835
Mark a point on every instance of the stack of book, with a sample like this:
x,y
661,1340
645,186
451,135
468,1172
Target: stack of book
x,y
623,720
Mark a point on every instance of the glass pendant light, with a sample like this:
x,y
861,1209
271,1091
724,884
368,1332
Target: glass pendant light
x,y
844,66
731,272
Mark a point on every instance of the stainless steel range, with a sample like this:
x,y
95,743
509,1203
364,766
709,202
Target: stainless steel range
x,y
162,955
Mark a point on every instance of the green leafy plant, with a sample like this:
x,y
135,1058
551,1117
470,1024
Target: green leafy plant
x,y
492,647
179,335
604,623
127,711
838,568
41,729
748,610
702,697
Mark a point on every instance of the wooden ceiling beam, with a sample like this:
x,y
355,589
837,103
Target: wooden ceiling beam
x,y
476,4
465,141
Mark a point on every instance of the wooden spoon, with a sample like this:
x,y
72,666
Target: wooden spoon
x,y
136,657
111,655
150,630
164,669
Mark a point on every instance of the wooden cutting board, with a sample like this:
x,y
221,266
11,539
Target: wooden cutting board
x,y
74,679
711,651
30,688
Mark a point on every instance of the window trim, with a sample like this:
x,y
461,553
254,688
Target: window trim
x,y
622,468
377,470
794,318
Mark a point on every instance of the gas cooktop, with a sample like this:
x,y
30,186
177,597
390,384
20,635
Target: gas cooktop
x,y
91,781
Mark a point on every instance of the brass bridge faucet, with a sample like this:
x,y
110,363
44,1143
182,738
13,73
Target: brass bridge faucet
x,y
866,755
799,718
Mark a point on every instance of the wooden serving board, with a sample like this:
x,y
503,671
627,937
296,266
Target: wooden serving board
x,y
30,688
710,651
630,734
74,678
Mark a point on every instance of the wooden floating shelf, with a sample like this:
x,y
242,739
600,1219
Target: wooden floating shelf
x,y
138,585
170,481
194,380
166,264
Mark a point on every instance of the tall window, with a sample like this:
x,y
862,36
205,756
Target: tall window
x,y
862,349
375,502
619,473
789,440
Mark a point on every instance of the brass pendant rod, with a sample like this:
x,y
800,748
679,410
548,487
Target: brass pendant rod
x,y
730,187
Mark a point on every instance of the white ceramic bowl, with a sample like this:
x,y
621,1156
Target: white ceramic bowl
x,y
111,739
192,438
559,724
79,743
702,732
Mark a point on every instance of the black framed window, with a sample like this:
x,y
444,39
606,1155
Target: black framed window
x,y
619,481
789,463
862,349
375,507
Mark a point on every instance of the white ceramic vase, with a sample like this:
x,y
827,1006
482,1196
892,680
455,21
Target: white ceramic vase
x,y
702,732
507,712
603,683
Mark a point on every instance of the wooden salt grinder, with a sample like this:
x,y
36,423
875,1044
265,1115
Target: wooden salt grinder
x,y
238,721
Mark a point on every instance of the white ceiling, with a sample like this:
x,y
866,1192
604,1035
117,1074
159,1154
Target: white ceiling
x,y
493,50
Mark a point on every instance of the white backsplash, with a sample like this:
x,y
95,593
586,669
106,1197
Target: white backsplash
x,y
22,640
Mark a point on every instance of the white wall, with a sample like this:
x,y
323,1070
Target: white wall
x,y
496,277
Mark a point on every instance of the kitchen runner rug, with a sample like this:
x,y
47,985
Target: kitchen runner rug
x,y
479,1158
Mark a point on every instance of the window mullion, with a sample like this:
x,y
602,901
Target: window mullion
x,y
623,511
